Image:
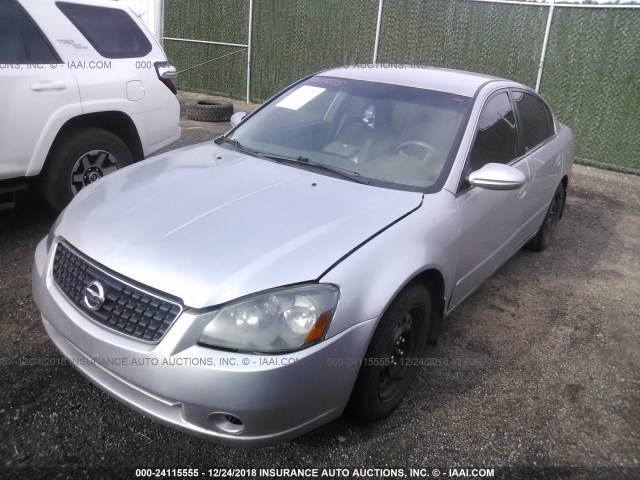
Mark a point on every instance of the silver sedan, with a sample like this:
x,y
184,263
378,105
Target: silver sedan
x,y
252,288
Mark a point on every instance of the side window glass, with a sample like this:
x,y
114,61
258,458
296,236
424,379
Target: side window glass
x,y
111,31
38,48
533,116
496,138
12,47
20,40
552,129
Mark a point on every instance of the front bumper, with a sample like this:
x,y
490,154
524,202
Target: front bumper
x,y
196,389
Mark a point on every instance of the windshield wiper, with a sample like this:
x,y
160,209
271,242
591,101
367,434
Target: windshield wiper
x,y
343,172
236,145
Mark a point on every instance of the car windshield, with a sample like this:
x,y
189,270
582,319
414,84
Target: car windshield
x,y
383,134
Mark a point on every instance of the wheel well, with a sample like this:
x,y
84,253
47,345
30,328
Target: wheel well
x,y
118,123
434,282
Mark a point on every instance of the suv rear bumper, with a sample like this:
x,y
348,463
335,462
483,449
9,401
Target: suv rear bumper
x,y
150,149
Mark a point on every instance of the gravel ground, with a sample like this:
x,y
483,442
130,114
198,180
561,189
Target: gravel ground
x,y
539,368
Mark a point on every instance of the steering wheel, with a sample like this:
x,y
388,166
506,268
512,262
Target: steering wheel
x,y
428,149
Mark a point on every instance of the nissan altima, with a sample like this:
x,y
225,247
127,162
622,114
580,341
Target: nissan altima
x,y
250,289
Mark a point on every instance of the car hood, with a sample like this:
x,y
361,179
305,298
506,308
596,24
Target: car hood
x,y
209,225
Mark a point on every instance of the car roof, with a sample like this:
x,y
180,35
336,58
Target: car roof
x,y
430,78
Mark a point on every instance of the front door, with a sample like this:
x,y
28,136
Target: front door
x,y
490,220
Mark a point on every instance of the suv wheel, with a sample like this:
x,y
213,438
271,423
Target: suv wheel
x,y
81,158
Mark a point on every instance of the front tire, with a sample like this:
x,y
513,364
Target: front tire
x,y
79,159
391,361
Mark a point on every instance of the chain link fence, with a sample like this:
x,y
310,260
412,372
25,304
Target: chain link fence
x,y
591,79
591,73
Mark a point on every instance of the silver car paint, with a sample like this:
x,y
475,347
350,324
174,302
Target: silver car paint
x,y
312,221
438,79
426,239
369,241
305,384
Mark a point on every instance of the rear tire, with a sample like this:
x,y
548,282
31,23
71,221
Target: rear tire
x,y
545,233
392,359
80,158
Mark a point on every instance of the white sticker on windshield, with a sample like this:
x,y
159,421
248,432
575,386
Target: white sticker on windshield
x,y
300,97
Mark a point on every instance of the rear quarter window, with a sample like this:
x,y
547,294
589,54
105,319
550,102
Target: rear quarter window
x,y
111,31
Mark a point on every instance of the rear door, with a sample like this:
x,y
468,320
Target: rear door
x,y
490,220
37,91
542,153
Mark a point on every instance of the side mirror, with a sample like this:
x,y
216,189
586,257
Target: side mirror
x,y
236,118
496,176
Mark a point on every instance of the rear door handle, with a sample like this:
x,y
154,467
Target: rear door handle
x,y
42,86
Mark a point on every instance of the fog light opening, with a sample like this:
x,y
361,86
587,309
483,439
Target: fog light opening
x,y
226,422
233,419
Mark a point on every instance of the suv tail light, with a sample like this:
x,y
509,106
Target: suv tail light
x,y
167,75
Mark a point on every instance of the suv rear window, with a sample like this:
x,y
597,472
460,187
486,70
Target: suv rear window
x,y
111,31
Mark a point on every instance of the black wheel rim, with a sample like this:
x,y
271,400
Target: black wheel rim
x,y
400,352
552,218
91,167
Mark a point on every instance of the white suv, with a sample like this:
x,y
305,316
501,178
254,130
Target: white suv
x,y
86,89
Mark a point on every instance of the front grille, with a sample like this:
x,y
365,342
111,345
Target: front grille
x,y
126,309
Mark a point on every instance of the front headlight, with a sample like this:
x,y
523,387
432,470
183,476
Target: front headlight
x,y
278,321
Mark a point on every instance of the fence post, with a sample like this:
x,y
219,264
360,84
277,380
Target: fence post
x,y
378,23
544,45
249,51
159,20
